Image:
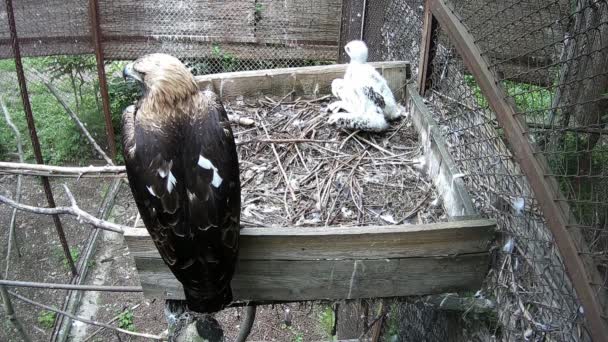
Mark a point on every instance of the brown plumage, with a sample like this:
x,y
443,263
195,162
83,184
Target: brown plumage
x,y
183,171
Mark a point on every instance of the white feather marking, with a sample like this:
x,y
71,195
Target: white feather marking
x,y
206,164
151,191
171,182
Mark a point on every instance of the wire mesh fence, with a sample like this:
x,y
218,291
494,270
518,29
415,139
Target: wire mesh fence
x,y
550,57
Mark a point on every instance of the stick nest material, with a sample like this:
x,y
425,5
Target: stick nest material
x,y
296,169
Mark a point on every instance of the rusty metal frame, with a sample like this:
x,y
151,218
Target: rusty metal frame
x,y
101,74
27,108
579,266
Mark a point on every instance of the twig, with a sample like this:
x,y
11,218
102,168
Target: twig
x,y
82,319
276,154
56,286
62,171
9,311
416,208
74,117
109,322
375,146
286,141
73,210
11,227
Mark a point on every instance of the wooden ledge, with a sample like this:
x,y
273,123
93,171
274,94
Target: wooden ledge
x,y
312,81
314,263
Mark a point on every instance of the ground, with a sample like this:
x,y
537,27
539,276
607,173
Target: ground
x,y
337,178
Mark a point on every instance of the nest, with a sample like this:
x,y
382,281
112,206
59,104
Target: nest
x,y
298,170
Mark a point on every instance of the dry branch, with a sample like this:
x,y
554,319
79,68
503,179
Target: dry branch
x,y
62,171
73,210
10,313
82,319
56,286
11,227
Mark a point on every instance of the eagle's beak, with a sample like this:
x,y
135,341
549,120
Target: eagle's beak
x,y
130,74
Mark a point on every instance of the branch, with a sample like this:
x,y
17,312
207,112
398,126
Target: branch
x,y
11,227
73,210
276,154
74,117
10,313
56,286
62,171
84,320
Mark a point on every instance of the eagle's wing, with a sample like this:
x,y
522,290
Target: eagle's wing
x,y
185,180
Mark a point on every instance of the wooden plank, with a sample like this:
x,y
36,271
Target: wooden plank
x,y
131,47
427,49
304,81
441,167
280,21
291,280
291,264
572,245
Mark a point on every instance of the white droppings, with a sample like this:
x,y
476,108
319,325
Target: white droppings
x,y
509,246
171,182
352,279
518,205
151,191
206,164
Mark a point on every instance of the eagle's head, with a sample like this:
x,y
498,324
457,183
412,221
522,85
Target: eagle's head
x,y
163,78
357,51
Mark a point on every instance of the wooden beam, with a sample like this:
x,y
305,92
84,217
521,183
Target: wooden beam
x,y
440,165
570,241
311,263
305,81
427,49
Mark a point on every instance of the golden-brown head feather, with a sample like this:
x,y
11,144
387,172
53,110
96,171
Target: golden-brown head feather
x,y
169,87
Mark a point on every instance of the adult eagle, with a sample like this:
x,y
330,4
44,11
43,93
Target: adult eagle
x,y
183,171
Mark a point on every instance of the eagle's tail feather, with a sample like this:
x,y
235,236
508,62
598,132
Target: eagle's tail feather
x,y
200,301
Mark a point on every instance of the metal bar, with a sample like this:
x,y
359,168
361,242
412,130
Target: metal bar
x,y
101,73
33,134
427,50
570,242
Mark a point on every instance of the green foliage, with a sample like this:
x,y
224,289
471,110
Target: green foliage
x,y
227,60
122,95
125,320
327,320
59,255
46,319
299,337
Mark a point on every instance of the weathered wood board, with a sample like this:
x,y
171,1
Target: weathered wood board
x,y
245,29
294,264
440,165
305,81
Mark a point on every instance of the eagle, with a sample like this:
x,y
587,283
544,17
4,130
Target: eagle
x,y
365,100
183,170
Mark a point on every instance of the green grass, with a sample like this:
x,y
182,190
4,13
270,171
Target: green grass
x,y
46,319
125,320
59,255
327,320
